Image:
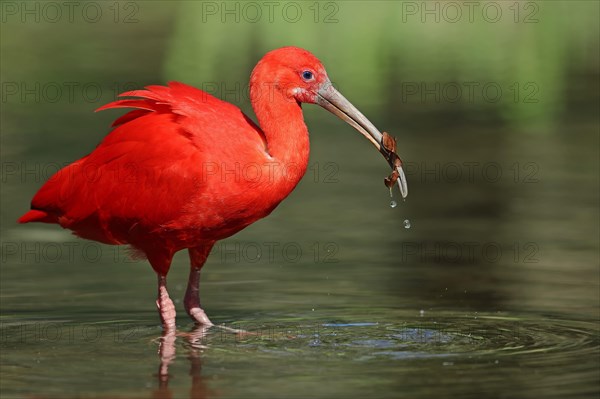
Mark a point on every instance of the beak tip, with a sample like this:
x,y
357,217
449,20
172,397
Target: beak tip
x,y
402,183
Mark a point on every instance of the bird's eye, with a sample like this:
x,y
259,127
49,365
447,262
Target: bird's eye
x,y
307,75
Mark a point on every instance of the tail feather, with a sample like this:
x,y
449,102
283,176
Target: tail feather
x,y
35,215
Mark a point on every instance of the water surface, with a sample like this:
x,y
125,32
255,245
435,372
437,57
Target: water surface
x,y
492,292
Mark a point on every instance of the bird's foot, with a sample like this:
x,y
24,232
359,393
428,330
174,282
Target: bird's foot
x,y
199,316
239,332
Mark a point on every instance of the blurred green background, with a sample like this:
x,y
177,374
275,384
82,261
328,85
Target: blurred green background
x,y
495,105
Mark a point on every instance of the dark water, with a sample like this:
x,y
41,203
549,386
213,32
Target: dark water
x,y
494,282
493,292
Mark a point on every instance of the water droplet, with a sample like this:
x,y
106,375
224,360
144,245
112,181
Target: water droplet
x,y
393,204
406,224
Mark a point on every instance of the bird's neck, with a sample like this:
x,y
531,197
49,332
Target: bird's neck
x,y
282,123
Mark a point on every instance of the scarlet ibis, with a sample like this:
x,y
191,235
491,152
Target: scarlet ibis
x,y
185,169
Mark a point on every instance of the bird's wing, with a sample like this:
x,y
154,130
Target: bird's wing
x,y
149,167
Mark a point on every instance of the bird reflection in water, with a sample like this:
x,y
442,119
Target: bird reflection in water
x,y
195,344
167,351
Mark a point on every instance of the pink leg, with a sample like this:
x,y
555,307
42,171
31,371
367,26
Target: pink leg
x,y
165,304
192,294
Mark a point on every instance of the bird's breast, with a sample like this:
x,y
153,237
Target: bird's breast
x,y
233,194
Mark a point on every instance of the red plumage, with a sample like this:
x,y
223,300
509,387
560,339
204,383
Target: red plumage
x,y
153,178
184,169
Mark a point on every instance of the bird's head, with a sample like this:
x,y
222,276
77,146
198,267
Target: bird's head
x,y
292,72
296,75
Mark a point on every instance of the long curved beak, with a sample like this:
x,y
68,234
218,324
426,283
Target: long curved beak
x,y
333,101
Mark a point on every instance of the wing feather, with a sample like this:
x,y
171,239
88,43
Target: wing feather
x,y
146,171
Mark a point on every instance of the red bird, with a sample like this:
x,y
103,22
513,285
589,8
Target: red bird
x,y
185,169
